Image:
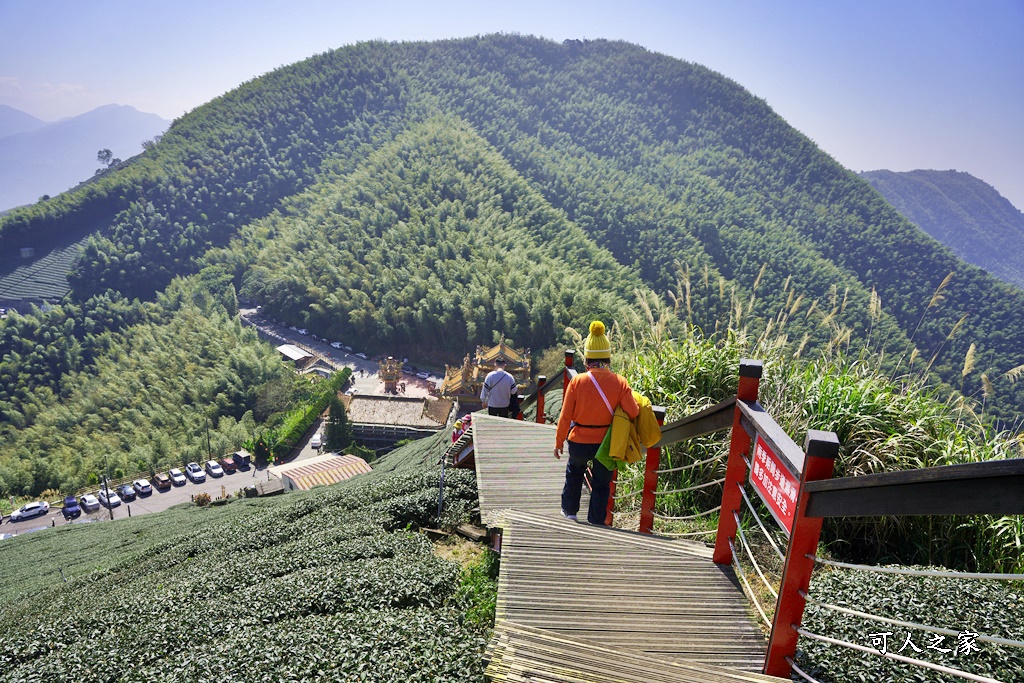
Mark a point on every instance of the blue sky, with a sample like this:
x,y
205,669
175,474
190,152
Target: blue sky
x,y
877,84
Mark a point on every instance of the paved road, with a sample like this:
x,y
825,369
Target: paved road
x,y
155,502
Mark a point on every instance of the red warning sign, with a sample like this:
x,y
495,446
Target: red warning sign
x,y
775,483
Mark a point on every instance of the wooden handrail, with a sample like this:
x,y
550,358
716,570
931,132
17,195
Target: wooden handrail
x,y
756,420
708,421
978,488
555,380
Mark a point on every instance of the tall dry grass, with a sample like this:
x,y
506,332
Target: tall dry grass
x,y
884,423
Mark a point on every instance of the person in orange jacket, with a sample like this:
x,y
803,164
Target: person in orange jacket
x,y
587,409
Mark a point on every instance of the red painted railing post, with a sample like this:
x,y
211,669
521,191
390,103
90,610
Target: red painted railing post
x,y
609,515
541,381
821,449
651,466
735,468
519,415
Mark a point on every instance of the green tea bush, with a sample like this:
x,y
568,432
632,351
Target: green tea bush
x,y
327,585
989,608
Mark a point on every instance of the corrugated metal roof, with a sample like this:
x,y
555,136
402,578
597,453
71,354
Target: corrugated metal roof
x,y
321,470
293,352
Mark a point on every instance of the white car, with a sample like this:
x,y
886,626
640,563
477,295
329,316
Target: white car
x,y
336,345
89,503
177,477
109,498
195,472
142,487
317,441
423,375
361,355
303,331
214,469
36,509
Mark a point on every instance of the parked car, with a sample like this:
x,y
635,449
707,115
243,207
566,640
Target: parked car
x,y
126,492
303,331
71,508
162,482
227,463
336,345
423,375
242,459
214,469
108,498
346,348
177,477
142,487
36,509
409,369
317,441
194,471
361,355
89,503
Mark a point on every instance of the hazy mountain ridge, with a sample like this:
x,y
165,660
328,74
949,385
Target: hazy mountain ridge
x,y
39,158
962,212
14,121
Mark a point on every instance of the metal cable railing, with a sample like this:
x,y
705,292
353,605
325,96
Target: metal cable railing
x,y
918,572
627,496
899,658
757,518
691,488
746,584
800,672
688,534
753,560
670,518
693,464
909,624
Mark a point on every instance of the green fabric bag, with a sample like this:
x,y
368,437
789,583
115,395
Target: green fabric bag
x,y
602,456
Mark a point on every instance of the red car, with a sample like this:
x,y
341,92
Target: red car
x,y
162,482
228,465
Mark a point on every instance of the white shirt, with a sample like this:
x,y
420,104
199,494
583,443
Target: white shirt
x,y
497,389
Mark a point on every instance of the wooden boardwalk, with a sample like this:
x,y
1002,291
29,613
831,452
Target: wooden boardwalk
x,y
516,468
584,603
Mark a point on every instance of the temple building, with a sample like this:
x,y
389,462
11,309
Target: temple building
x,y
390,373
463,383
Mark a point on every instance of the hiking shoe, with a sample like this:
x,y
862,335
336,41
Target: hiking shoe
x,y
571,518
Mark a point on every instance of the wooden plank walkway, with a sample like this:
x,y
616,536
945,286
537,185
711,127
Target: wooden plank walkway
x,y
625,591
583,603
515,468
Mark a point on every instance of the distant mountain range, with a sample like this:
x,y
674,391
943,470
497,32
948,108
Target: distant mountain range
x,y
39,158
962,212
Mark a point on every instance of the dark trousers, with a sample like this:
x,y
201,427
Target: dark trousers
x,y
579,455
499,412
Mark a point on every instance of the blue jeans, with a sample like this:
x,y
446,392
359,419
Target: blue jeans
x,y
579,455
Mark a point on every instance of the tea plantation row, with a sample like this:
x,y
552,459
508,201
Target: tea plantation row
x,y
330,585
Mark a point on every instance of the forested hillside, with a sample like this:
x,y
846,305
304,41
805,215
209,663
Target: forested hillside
x,y
964,213
366,189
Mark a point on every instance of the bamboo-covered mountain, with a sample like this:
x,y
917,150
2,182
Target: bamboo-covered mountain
x,y
964,213
435,194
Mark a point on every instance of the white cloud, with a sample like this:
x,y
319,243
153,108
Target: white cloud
x,y
46,100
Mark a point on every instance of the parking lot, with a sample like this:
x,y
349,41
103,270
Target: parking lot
x,y
216,487
364,370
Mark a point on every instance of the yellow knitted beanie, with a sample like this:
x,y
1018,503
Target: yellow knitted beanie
x,y
597,345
